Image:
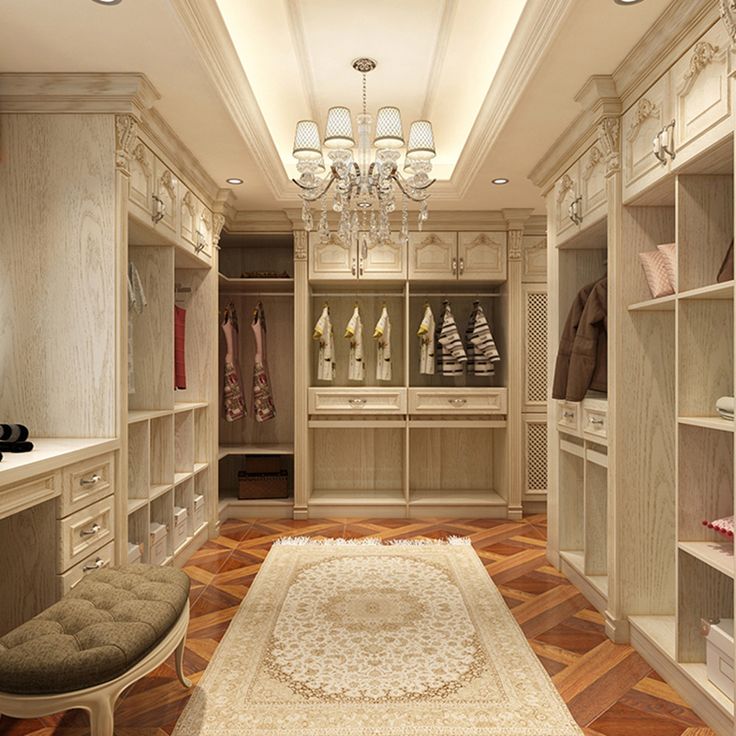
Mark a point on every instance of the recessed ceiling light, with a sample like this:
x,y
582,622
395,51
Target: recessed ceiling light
x,y
107,2
626,2
500,180
234,180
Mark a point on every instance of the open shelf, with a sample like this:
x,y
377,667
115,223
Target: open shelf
x,y
357,497
265,449
230,285
143,415
718,555
136,503
456,498
182,477
180,406
159,490
713,291
199,467
661,304
717,423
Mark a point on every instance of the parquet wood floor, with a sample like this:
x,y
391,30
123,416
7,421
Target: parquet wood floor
x,y
609,688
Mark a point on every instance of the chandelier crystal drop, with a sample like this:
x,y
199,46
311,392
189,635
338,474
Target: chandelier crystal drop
x,y
363,176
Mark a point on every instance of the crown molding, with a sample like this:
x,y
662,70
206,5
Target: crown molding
x,y
103,92
264,221
210,38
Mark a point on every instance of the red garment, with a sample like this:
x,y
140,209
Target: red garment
x,y
180,371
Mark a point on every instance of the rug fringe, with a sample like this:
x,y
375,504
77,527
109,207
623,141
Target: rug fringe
x,y
369,541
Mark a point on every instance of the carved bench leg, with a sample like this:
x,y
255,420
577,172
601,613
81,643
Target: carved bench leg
x,y
179,656
101,717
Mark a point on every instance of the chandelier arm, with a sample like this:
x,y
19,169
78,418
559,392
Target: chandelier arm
x,y
421,189
313,197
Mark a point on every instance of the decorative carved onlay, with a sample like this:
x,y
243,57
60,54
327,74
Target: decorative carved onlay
x,y
139,154
218,222
728,16
188,201
126,132
432,239
594,158
564,185
516,240
483,239
300,245
703,54
167,182
609,137
645,109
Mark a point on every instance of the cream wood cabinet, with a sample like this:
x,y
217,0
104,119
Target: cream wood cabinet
x,y
141,177
567,198
165,199
465,256
534,258
195,223
360,259
683,114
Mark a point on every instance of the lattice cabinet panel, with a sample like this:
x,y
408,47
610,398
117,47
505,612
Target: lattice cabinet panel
x,y
535,455
535,347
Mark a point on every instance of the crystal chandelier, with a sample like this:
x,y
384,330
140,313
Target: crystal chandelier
x,y
365,188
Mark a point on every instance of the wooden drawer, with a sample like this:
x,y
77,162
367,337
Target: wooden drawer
x,y
101,558
568,416
85,531
357,401
86,482
595,420
457,401
18,497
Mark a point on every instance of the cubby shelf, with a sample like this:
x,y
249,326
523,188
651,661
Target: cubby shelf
x,y
723,425
661,304
228,285
180,478
136,503
356,497
723,290
456,498
718,555
181,406
264,449
143,415
159,490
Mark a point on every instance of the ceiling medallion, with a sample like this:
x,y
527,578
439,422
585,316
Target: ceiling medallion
x,y
366,176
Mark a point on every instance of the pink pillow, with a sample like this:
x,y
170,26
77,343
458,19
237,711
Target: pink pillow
x,y
654,269
669,251
722,526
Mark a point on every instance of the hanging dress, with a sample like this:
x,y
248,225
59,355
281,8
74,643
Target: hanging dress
x,y
233,398
136,303
323,332
354,332
452,353
263,406
180,366
425,333
480,344
382,335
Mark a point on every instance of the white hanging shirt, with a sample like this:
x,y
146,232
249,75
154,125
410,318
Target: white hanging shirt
x,y
323,332
426,342
382,334
452,352
481,347
354,332
136,303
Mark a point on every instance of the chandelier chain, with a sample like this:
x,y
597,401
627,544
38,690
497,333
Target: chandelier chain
x,y
365,96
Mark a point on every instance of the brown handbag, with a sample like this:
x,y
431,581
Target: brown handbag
x,y
726,272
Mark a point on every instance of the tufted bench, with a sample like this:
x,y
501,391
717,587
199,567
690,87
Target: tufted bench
x,y
114,627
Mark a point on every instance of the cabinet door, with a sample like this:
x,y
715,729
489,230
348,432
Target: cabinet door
x,y
534,259
641,123
332,259
432,256
166,191
593,205
187,217
481,256
141,178
701,95
567,192
203,246
382,260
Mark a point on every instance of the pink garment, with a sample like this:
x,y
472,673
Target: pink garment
x,y
263,406
180,368
233,398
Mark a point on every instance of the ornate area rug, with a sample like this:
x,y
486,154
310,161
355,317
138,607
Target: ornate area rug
x,y
343,638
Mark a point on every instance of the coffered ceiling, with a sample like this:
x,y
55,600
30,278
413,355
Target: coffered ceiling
x,y
497,77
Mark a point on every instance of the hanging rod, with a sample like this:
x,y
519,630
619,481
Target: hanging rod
x,y
287,294
356,295
454,294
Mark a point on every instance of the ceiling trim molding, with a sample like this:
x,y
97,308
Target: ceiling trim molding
x,y
211,40
304,62
438,57
537,28
59,92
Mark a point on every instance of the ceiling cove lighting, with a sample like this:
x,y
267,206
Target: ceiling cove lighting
x,y
500,180
363,172
234,180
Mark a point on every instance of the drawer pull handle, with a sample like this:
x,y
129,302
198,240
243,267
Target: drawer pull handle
x,y
596,420
568,414
357,402
96,565
93,480
458,402
94,529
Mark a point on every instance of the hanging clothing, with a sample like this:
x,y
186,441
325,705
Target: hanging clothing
x,y
425,333
354,332
324,333
582,364
480,346
180,370
136,303
233,398
263,406
382,335
451,353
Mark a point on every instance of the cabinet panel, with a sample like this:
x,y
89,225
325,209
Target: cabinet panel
x,y
432,256
203,235
457,401
86,482
357,401
188,216
141,177
534,259
701,94
166,196
481,256
567,192
641,123
593,206
332,259
385,260
85,531
535,456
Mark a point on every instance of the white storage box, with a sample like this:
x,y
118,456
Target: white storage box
x,y
198,512
135,553
159,536
180,526
719,655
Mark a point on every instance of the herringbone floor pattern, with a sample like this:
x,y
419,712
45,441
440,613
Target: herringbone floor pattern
x,y
609,688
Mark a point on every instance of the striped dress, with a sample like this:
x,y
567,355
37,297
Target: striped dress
x,y
480,345
450,355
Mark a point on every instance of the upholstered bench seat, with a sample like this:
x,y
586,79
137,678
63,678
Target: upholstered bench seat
x,y
111,629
